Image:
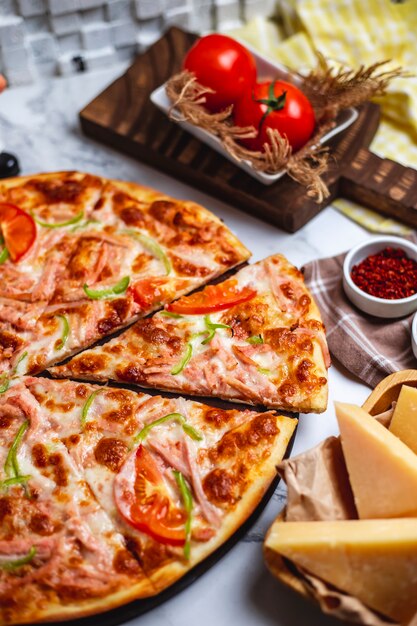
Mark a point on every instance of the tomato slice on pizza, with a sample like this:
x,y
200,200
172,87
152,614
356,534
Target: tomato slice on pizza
x,y
212,298
18,229
143,499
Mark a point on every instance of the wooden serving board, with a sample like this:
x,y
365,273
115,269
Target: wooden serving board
x,y
123,117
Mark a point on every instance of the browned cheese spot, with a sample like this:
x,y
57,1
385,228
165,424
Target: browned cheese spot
x,y
111,453
41,524
262,429
9,341
5,420
89,363
116,313
218,417
219,486
149,330
125,563
6,507
247,319
185,268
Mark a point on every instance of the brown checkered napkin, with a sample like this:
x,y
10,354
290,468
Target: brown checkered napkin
x,y
367,346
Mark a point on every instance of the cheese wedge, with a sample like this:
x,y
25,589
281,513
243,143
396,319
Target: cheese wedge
x,y
382,469
404,419
373,560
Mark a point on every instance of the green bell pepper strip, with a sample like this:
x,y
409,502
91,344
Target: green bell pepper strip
x,y
11,465
177,417
18,362
100,294
153,246
84,225
177,369
87,406
10,566
169,314
255,339
15,480
4,255
5,378
187,500
65,332
73,220
265,372
211,329
4,382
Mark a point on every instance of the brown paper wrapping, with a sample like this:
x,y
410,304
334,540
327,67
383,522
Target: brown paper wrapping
x,y
319,489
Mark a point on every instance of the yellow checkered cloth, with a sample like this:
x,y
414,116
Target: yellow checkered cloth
x,y
354,32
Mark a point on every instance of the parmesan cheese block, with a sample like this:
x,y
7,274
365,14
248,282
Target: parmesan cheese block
x,y
382,469
373,560
404,419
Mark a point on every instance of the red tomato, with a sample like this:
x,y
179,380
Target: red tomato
x,y
18,229
212,298
224,65
148,291
277,105
145,503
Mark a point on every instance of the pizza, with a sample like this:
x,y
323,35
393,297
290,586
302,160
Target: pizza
x,y
256,338
109,495
82,256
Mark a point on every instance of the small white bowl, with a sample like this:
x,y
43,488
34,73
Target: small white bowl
x,y
379,307
265,70
414,335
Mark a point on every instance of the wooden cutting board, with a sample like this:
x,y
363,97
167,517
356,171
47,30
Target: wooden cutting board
x,y
123,117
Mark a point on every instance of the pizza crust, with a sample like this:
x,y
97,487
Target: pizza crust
x,y
64,612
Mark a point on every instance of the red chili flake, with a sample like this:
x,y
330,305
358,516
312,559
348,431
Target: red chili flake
x,y
389,274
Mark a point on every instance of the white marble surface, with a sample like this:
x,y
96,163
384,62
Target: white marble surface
x,y
39,123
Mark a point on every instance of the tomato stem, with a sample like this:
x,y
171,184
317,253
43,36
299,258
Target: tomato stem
x,y
273,102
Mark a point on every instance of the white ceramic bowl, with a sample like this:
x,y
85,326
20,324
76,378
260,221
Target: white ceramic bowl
x,y
370,304
414,335
265,70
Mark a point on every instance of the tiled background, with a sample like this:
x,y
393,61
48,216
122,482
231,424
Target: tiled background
x,y
48,37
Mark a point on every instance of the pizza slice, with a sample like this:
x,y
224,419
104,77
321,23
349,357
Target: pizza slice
x,y
256,338
60,555
81,256
176,477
